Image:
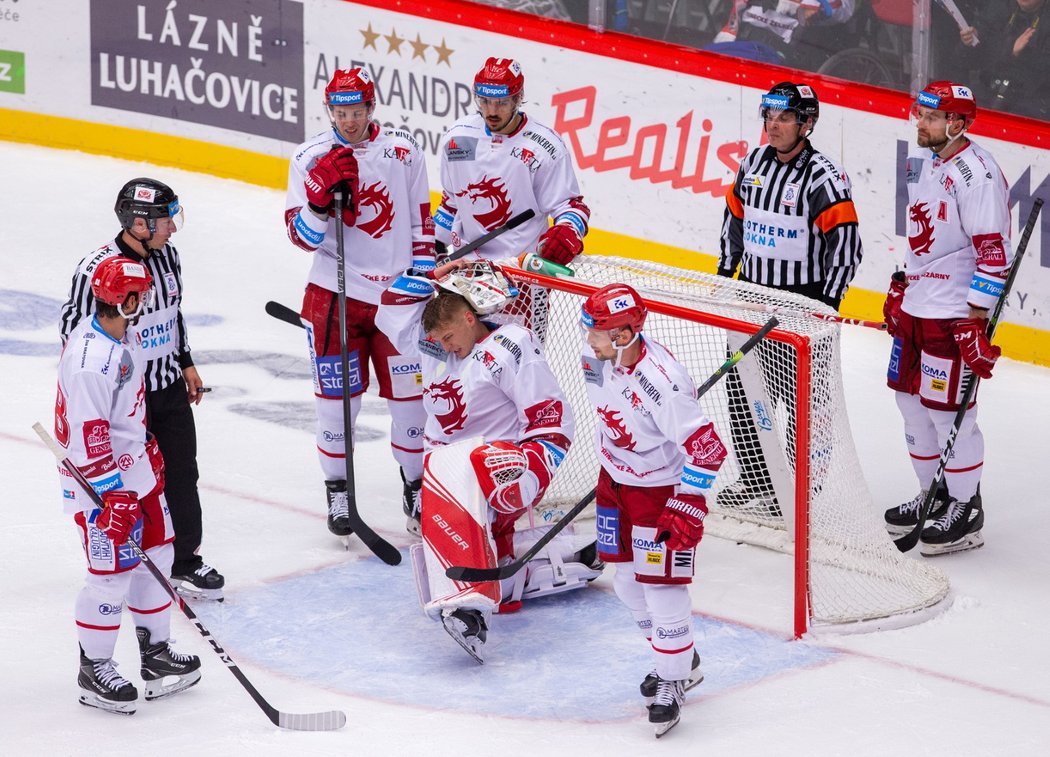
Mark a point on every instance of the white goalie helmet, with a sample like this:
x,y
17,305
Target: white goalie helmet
x,y
482,284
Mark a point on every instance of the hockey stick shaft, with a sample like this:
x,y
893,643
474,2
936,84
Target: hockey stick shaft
x,y
910,539
487,237
317,721
463,573
380,547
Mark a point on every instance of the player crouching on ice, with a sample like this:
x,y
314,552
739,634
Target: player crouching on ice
x,y
659,454
100,418
497,427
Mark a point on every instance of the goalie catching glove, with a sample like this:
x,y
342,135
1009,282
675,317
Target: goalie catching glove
x,y
513,477
119,516
681,524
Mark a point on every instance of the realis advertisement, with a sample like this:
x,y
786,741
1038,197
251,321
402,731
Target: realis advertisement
x,y
236,64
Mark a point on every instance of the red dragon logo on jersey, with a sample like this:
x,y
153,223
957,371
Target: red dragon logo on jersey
x,y
923,241
617,431
446,397
376,196
495,192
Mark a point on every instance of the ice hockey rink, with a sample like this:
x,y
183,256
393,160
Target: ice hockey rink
x,y
317,628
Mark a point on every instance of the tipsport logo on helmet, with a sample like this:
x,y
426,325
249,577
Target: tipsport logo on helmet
x,y
346,98
928,100
777,102
233,65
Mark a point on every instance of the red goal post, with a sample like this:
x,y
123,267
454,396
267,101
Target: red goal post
x,y
847,575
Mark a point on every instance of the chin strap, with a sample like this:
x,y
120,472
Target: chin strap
x,y
619,350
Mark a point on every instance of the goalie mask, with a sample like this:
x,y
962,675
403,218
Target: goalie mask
x,y
481,284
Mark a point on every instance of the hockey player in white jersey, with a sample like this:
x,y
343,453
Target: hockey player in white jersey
x,y
387,228
498,426
958,258
100,418
500,162
659,456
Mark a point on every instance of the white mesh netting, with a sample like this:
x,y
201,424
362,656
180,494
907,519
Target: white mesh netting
x,y
855,573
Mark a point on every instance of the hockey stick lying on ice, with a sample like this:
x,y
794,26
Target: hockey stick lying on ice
x,y
314,721
535,266
910,539
463,573
286,314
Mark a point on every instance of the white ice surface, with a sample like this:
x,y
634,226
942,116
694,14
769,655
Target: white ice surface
x,y
973,681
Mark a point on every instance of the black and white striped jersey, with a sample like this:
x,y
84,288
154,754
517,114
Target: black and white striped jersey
x,y
161,328
791,224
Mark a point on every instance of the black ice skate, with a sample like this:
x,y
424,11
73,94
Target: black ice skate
x,y
103,687
338,510
161,663
648,686
666,709
901,520
957,530
468,629
412,504
204,582
742,498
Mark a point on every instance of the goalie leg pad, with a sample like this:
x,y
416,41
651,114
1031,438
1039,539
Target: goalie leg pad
x,y
455,531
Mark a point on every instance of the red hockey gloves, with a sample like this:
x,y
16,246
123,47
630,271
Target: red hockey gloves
x,y
976,350
560,244
118,517
335,169
681,524
891,308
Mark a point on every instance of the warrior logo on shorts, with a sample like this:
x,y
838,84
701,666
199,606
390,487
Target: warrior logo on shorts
x,y
376,196
495,193
922,241
446,398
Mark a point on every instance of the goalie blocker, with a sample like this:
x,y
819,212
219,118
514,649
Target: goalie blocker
x,y
470,495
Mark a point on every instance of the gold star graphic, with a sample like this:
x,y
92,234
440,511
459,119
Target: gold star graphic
x,y
418,48
394,42
444,52
370,37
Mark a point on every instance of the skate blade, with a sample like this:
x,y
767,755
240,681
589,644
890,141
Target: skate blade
x,y
157,689
189,591
458,637
659,729
345,541
117,708
896,531
970,541
413,527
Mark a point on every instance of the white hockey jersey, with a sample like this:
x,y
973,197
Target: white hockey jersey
x,y
958,233
487,179
651,430
504,390
394,229
100,414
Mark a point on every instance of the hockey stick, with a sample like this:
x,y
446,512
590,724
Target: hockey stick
x,y
463,573
535,268
910,539
382,549
286,314
313,721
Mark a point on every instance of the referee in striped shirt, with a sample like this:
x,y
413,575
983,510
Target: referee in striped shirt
x,y
149,213
789,224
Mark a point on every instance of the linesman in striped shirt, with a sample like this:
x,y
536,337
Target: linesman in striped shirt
x,y
789,224
149,213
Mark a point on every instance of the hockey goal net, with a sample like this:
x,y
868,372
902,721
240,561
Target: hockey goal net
x,y
792,481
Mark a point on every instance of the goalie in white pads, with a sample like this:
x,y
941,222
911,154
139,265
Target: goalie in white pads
x,y
498,426
100,418
659,454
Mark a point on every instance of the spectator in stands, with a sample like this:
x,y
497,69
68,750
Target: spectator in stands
x,y
1012,53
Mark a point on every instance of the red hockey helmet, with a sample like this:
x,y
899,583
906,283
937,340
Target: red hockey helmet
x,y
499,77
351,86
614,306
116,277
950,98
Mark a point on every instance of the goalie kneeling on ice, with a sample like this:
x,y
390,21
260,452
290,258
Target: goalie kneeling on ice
x,y
456,525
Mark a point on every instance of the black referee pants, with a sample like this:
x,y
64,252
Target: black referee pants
x,y
169,418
